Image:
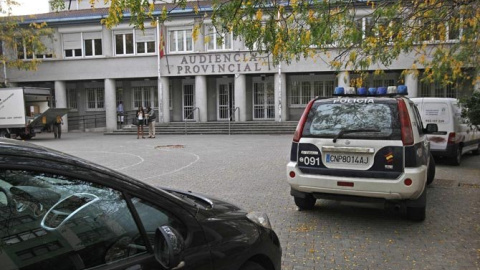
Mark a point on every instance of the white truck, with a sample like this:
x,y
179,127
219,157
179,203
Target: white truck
x,y
24,111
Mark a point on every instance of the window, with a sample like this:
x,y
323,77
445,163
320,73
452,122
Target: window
x,y
145,41
180,40
124,44
134,42
58,222
327,118
95,98
142,96
304,88
217,41
72,45
72,98
119,95
86,44
27,50
152,217
92,43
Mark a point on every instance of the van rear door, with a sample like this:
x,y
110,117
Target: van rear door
x,y
440,113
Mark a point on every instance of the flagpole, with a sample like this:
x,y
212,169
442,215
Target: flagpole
x,y
159,80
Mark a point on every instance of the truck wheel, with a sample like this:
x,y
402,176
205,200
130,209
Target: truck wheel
x,y
431,170
4,134
306,203
477,151
458,157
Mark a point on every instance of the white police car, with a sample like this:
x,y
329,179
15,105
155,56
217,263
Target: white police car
x,y
364,145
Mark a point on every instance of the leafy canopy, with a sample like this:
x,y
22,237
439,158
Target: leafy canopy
x,y
349,35
19,39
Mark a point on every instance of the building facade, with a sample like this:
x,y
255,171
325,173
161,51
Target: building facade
x,y
93,68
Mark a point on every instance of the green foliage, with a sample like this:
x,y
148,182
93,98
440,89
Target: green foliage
x,y
472,108
349,35
16,36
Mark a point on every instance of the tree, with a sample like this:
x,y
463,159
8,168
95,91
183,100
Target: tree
x,y
471,107
350,34
20,41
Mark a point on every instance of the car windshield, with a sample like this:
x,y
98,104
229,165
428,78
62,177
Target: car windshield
x,y
368,118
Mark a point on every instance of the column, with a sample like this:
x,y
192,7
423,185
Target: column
x,y
411,81
163,100
280,97
241,97
110,104
61,101
344,79
201,98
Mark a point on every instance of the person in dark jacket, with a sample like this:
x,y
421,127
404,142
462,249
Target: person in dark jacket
x,y
57,127
151,122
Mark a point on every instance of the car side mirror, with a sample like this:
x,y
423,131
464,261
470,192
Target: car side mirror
x,y
431,128
168,247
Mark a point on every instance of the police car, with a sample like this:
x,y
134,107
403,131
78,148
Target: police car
x,y
362,145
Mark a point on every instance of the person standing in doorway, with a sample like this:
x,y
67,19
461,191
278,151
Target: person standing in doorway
x,y
151,122
120,112
140,122
57,127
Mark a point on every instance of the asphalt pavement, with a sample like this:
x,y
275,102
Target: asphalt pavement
x,y
250,171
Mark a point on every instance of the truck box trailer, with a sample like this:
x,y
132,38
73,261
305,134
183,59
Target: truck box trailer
x,y
24,111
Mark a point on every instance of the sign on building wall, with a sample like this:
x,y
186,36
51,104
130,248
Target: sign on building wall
x,y
215,64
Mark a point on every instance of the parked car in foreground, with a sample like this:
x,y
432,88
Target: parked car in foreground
x,y
362,148
62,212
456,136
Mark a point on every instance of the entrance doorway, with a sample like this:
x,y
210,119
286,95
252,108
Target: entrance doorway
x,y
225,99
188,96
263,99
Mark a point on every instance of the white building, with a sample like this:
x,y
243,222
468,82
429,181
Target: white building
x,y
92,68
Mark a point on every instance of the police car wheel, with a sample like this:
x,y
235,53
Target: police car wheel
x,y
416,213
306,203
431,170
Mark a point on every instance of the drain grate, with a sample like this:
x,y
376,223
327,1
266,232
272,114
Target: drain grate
x,y
170,146
469,185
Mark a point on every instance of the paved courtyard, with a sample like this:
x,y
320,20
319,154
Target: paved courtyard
x,y
249,170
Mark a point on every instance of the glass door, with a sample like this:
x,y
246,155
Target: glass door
x,y
225,99
263,99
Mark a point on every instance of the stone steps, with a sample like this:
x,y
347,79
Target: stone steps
x,y
215,128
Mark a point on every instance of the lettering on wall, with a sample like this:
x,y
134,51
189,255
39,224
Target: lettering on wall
x,y
222,63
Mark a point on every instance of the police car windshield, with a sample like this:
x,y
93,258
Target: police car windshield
x,y
353,117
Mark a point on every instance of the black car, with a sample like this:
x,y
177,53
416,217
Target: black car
x,y
62,212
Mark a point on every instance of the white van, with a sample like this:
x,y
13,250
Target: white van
x,y
455,136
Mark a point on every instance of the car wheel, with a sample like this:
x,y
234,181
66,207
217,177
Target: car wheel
x,y
431,170
306,203
458,157
476,151
252,266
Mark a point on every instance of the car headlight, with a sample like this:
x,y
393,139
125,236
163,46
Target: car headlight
x,y
260,219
